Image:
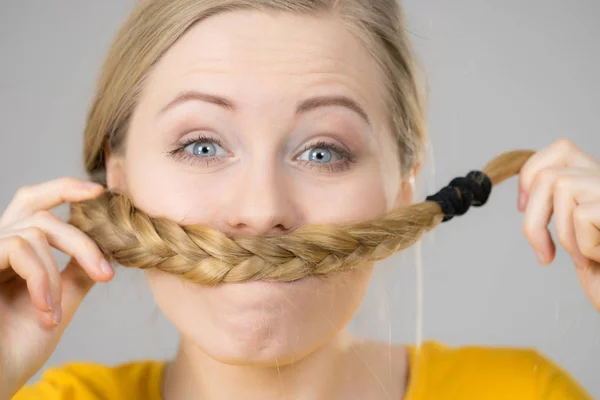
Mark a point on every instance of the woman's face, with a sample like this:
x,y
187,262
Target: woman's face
x,y
259,123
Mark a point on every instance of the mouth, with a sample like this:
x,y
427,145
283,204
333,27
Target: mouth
x,y
286,283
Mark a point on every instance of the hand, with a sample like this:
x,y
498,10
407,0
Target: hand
x,y
564,181
37,301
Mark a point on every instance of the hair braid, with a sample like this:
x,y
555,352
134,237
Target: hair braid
x,y
205,255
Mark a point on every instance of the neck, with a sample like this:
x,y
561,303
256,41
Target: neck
x,y
344,368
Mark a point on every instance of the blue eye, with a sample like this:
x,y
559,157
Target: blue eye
x,y
205,148
321,155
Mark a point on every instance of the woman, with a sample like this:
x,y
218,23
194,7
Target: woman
x,y
258,117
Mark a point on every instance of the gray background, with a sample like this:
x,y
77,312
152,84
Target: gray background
x,y
503,75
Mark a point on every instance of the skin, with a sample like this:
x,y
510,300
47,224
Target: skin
x,y
562,182
264,181
272,340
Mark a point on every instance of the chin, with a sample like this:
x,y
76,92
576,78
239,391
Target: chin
x,y
269,347
260,323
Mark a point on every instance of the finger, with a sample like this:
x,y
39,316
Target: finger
x,y
47,318
76,285
73,242
562,153
589,277
30,199
587,230
557,191
39,242
573,190
564,208
538,214
17,253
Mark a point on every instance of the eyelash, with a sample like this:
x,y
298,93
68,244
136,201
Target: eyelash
x,y
347,158
180,154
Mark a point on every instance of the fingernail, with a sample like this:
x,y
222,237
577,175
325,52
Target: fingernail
x,y
57,314
541,257
49,302
105,267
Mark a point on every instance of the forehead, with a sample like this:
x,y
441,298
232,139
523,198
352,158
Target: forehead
x,y
261,51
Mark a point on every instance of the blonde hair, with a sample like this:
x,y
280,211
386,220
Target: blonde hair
x,y
205,255
155,25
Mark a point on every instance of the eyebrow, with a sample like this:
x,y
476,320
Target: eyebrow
x,y
327,101
192,95
305,106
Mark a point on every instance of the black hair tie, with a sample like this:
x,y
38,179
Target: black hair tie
x,y
462,193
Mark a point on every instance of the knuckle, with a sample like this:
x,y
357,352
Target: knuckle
x,y
579,216
546,174
564,144
34,233
24,195
545,177
84,240
528,229
91,248
45,216
565,240
84,248
587,250
17,243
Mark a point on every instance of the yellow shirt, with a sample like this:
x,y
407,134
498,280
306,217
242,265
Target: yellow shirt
x,y
437,372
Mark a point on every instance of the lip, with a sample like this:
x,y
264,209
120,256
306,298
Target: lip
x,y
288,283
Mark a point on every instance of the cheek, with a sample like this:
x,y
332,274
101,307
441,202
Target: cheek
x,y
174,190
180,192
361,196
256,323
261,323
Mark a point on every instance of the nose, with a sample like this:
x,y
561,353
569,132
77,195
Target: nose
x,y
261,204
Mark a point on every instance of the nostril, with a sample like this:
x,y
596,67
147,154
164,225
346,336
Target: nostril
x,y
257,229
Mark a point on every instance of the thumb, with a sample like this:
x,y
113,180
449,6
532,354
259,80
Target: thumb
x,y
589,277
76,285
